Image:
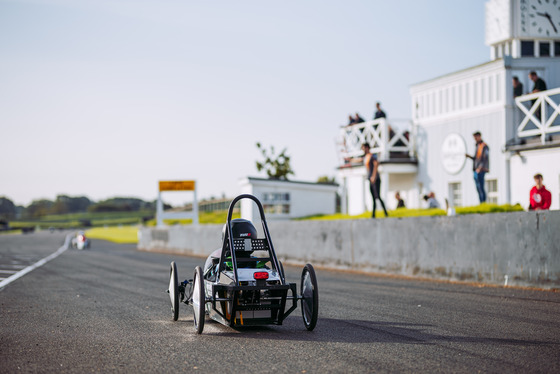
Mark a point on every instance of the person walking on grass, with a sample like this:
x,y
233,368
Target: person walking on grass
x,y
372,165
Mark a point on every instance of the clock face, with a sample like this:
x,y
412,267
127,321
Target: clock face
x,y
497,21
540,18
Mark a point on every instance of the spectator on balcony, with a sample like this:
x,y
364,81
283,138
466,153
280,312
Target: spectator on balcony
x,y
540,85
517,87
351,120
539,198
481,165
358,119
379,113
400,202
372,164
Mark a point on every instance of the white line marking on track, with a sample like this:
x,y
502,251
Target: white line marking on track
x,y
39,263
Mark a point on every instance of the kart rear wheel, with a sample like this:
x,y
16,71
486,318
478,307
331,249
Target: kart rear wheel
x,y
174,291
309,297
198,300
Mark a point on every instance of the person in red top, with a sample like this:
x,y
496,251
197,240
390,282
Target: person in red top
x,y
539,198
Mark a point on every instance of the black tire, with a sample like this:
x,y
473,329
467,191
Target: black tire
x,y
198,300
174,291
309,297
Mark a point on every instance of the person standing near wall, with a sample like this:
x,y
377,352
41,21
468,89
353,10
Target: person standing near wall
x,y
481,165
539,198
372,164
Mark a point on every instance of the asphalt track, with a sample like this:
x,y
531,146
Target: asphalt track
x,y
105,310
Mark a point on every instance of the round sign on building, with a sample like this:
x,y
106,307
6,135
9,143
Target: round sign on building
x,y
453,152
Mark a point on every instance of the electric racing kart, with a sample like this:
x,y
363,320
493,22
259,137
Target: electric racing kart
x,y
243,282
80,241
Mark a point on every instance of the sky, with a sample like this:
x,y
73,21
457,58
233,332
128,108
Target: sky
x,y
104,98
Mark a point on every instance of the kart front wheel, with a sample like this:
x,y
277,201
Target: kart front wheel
x,y
174,291
198,300
309,297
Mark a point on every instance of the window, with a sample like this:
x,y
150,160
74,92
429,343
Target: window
x,y
544,48
276,203
492,191
527,48
455,194
556,49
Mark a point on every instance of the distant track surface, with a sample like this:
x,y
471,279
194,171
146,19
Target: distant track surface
x,y
105,309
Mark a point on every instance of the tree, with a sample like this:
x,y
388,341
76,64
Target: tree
x,y
7,208
121,204
38,208
276,166
324,179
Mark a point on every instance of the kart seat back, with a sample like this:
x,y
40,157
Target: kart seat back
x,y
250,245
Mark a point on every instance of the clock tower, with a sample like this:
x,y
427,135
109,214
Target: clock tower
x,y
523,28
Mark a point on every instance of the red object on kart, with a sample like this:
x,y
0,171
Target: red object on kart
x,y
260,275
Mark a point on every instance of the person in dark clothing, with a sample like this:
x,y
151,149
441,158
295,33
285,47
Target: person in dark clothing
x,y
540,85
481,165
517,87
379,113
351,120
371,163
358,119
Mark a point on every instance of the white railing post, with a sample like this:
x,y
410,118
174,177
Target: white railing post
x,y
384,139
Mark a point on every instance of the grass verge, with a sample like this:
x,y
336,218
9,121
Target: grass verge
x,y
121,235
405,212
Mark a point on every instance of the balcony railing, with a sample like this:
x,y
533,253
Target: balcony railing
x,y
387,141
541,112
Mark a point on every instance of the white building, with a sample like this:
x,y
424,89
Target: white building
x,y
283,199
523,134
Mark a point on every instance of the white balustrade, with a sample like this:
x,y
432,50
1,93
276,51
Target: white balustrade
x,y
382,138
542,114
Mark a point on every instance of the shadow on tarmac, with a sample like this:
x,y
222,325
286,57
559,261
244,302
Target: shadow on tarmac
x,y
356,331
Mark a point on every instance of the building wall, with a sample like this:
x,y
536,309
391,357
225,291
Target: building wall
x,y
406,185
305,199
478,99
433,176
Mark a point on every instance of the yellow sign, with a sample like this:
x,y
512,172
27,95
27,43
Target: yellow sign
x,y
176,185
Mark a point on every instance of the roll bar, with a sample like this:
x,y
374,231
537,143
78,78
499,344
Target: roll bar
x,y
228,239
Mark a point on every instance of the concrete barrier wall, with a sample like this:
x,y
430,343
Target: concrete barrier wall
x,y
520,248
